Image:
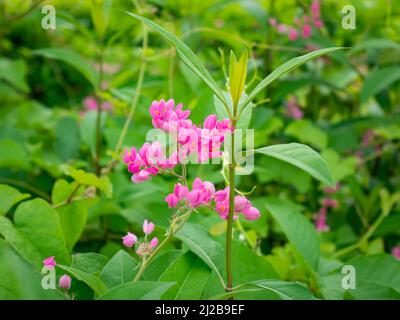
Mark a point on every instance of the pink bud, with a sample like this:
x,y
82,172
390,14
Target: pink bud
x,y
210,121
241,204
49,262
194,198
292,34
129,240
306,31
396,252
318,24
148,227
65,282
154,242
221,195
272,21
172,200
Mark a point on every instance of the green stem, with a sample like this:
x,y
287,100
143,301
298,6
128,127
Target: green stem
x,y
99,110
26,186
229,227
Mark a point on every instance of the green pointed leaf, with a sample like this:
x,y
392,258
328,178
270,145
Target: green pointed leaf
x,y
298,229
9,197
300,156
142,290
190,274
89,262
285,68
237,76
119,270
186,54
73,59
95,283
200,243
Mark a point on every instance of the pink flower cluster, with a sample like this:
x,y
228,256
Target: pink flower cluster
x,y
202,141
321,219
302,25
203,193
130,239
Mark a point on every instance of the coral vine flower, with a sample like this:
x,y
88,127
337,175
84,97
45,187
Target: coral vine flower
x,y
49,262
129,240
148,227
320,221
396,252
65,282
154,242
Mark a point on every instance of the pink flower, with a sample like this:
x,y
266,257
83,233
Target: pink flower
x,y
396,252
210,122
315,9
141,176
172,200
306,31
49,262
221,195
154,242
194,198
129,240
148,227
251,213
318,24
241,204
272,22
293,109
320,221
65,282
292,34
281,28
328,202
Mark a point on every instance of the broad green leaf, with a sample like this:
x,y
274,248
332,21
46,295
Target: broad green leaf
x,y
156,268
222,113
89,179
18,280
285,68
119,270
378,80
262,289
95,283
73,215
101,15
68,140
306,132
14,72
13,155
72,58
186,54
89,262
237,77
200,243
36,231
142,290
9,197
298,229
300,156
21,244
190,274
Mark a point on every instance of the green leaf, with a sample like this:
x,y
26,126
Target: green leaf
x,y
89,262
237,77
190,274
187,55
89,179
262,289
340,168
119,270
378,80
101,15
68,140
200,243
285,68
300,156
142,290
305,131
12,155
9,197
18,280
73,215
298,229
14,72
37,225
155,269
222,113
98,286
73,59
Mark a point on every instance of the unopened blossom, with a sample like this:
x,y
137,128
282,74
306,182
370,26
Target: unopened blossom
x,y
148,227
49,262
329,202
306,31
129,240
396,252
293,109
154,242
65,282
292,34
320,221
